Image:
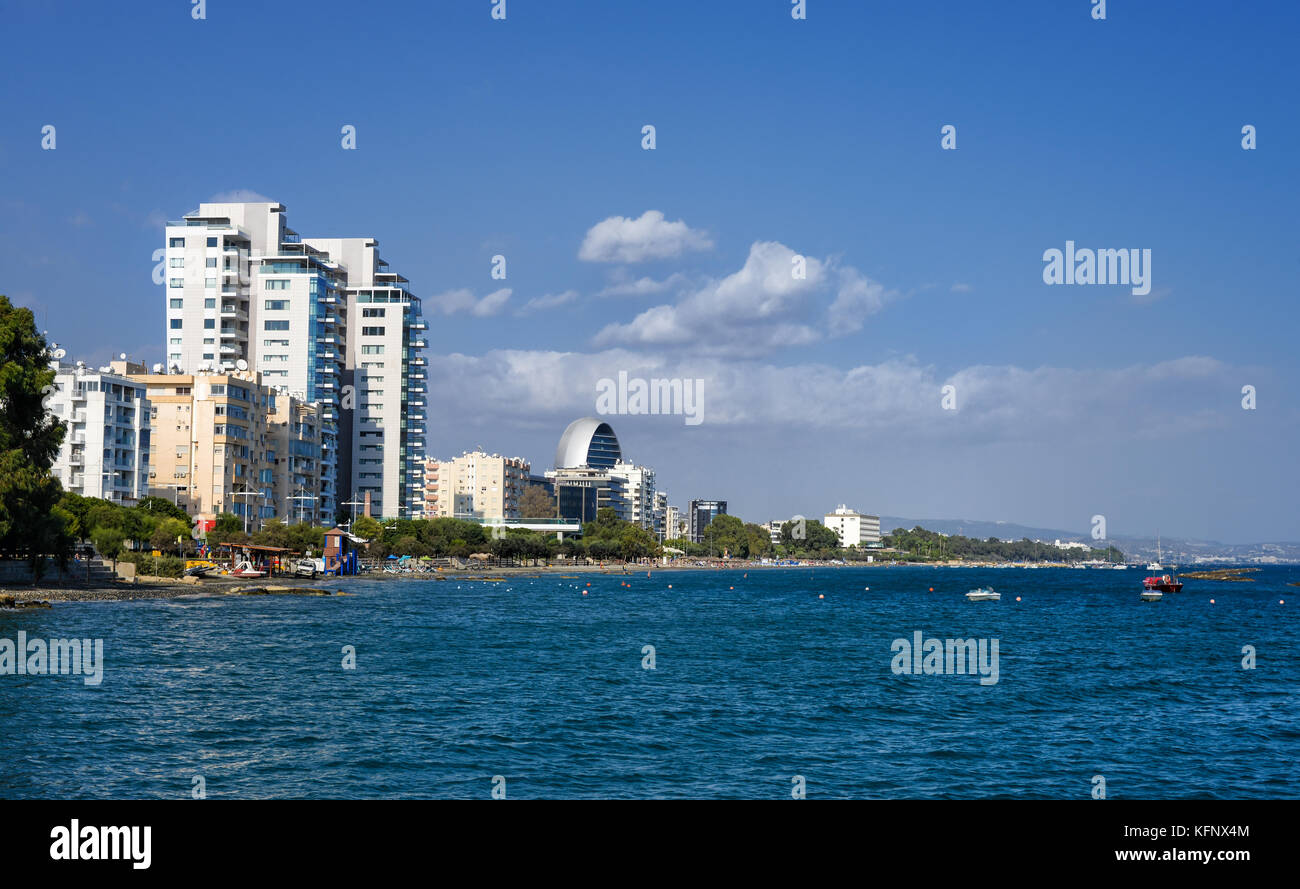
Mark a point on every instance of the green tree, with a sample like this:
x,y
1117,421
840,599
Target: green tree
x,y
369,529
161,506
30,437
165,534
108,543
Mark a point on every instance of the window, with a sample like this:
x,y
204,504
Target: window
x,y
212,262
177,262
176,283
209,356
176,242
210,283
212,242
277,305
175,303
372,313
275,357
209,341
174,323
368,350
275,342
275,325
209,303
276,284
174,341
372,331
209,323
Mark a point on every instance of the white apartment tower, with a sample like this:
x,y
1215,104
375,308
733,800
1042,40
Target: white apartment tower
x,y
105,450
389,377
246,292
638,492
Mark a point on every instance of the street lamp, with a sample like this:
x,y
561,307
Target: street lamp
x,y
302,495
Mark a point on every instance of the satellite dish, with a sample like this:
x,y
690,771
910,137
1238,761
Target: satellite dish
x,y
59,353
122,357
176,368
106,369
81,364
241,364
158,368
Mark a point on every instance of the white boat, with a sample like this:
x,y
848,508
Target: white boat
x,y
1156,566
984,594
1152,596
246,569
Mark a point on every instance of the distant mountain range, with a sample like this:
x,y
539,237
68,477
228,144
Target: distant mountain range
x,y
1173,550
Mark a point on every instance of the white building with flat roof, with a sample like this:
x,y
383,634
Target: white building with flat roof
x,y
105,450
852,527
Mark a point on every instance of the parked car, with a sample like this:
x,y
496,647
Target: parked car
x,y
305,568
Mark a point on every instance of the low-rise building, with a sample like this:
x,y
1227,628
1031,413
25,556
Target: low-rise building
x,y
852,527
474,485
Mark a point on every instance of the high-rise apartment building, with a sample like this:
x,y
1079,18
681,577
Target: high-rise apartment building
x,y
246,292
638,493
389,379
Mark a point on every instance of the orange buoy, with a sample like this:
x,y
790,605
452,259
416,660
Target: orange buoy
x,y
731,587
1017,598
1281,601
1211,601
584,592
932,589
670,586
820,596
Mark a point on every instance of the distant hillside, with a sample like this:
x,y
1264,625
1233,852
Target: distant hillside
x,y
1173,550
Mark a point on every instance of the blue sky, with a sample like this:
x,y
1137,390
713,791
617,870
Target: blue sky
x,y
819,137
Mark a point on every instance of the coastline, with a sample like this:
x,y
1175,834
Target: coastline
x,y
147,587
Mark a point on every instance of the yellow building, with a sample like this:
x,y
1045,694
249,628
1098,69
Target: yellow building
x,y
210,434
475,484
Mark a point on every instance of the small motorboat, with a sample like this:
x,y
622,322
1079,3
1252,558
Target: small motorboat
x,y
200,570
1152,596
1165,583
984,594
246,569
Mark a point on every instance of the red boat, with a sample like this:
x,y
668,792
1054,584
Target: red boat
x,y
1165,583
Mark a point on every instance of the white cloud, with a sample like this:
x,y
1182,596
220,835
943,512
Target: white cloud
x,y
622,239
451,302
549,301
896,401
856,298
761,307
624,285
241,196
